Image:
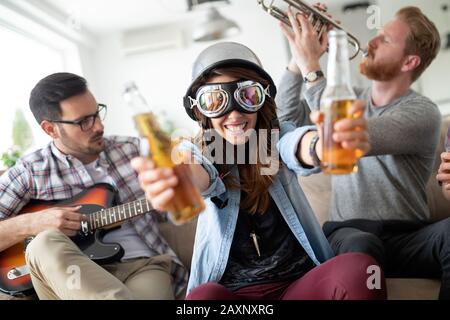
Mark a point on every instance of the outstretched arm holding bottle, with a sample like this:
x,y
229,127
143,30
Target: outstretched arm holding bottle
x,y
159,183
351,134
184,201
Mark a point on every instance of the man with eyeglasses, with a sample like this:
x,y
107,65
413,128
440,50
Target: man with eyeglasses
x,y
78,158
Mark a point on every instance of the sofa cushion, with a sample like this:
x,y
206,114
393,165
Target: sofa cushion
x,y
180,239
412,289
317,188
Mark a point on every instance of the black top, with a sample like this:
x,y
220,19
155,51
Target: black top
x,y
282,256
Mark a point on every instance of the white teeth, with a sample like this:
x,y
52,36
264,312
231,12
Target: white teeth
x,y
236,128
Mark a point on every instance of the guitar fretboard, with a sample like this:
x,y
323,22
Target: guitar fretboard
x,y
118,214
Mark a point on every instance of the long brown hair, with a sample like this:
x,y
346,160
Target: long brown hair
x,y
253,185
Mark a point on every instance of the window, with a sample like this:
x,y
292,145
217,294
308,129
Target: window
x,y
23,62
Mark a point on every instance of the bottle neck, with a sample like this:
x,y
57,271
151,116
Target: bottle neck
x,y
338,74
135,100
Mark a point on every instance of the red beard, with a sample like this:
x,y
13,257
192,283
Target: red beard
x,y
379,71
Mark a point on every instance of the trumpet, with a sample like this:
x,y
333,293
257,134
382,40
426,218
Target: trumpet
x,y
318,19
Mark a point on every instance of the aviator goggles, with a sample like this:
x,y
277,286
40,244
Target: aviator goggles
x,y
217,99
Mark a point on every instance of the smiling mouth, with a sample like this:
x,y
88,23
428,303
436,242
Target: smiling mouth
x,y
236,129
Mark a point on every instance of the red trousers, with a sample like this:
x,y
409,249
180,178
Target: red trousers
x,y
345,277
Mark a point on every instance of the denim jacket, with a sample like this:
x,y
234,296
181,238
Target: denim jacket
x,y
215,227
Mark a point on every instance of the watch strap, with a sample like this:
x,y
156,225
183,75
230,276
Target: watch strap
x,y
318,74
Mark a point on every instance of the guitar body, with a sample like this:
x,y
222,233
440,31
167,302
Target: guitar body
x,y
14,277
92,245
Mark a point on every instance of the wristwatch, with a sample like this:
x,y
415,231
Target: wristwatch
x,y
313,76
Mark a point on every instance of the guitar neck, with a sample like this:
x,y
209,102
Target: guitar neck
x,y
111,216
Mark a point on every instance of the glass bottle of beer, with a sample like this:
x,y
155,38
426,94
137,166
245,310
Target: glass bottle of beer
x,y
188,201
336,102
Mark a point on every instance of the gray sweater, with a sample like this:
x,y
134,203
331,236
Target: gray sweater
x,y
390,183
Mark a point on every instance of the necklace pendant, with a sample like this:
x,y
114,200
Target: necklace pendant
x,y
255,242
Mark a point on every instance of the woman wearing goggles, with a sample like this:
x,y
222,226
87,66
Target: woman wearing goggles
x,y
258,237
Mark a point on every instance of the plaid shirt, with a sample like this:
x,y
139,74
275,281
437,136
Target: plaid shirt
x,y
47,174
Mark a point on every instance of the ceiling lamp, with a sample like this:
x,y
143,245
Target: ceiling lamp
x,y
214,26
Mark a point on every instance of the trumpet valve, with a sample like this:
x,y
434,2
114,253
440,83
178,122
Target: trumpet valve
x,y
323,28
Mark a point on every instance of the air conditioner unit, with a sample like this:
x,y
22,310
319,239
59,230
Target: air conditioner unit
x,y
150,39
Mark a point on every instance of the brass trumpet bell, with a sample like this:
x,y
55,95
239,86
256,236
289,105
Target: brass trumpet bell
x,y
318,19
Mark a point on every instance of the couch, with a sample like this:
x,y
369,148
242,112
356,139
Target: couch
x,y
317,190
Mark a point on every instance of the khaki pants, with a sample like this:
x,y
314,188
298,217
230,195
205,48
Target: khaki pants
x,y
59,270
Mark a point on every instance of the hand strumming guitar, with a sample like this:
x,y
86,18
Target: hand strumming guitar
x,y
67,220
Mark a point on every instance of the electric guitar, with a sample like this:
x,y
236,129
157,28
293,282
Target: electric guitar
x,y
97,204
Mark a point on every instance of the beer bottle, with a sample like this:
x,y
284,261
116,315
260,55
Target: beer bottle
x,y
336,102
187,202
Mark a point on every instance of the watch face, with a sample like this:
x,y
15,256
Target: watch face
x,y
311,76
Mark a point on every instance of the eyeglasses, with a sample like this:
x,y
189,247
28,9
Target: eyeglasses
x,y
218,99
86,123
